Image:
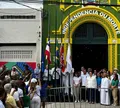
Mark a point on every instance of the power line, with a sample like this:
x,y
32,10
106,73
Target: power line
x,y
25,5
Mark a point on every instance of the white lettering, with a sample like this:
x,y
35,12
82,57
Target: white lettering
x,y
102,14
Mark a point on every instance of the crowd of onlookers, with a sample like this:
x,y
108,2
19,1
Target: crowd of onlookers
x,y
101,87
21,90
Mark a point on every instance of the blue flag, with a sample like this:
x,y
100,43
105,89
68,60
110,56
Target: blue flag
x,y
42,61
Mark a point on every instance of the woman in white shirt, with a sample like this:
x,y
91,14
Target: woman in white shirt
x,y
34,93
76,84
91,85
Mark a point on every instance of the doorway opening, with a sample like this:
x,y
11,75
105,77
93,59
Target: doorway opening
x,y
90,46
93,56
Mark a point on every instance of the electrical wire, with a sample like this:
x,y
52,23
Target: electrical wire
x,y
25,5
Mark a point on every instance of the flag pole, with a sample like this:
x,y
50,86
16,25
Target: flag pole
x,y
55,42
69,44
49,43
61,45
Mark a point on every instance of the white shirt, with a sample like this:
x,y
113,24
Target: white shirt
x,y
13,73
37,72
1,104
15,95
45,75
84,79
57,72
76,80
37,93
105,83
91,82
20,92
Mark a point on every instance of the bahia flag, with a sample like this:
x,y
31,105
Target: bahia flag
x,y
57,53
68,59
47,52
62,58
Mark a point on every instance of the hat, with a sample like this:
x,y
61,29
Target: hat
x,y
115,69
33,80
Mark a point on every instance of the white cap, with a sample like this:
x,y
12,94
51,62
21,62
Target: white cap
x,y
33,80
115,69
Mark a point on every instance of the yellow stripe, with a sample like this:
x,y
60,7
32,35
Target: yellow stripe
x,y
115,55
110,57
118,1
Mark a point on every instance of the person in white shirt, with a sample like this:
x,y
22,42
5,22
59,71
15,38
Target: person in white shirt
x,y
15,94
47,76
76,85
37,71
91,85
105,85
56,76
34,93
82,69
14,73
83,89
3,96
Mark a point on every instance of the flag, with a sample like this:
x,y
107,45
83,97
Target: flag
x,y
57,53
47,52
62,58
42,61
68,59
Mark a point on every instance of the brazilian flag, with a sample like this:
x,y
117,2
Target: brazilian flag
x,y
57,53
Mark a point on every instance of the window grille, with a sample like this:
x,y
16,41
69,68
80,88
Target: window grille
x,y
16,54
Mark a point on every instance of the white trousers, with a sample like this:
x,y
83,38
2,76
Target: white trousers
x,y
35,102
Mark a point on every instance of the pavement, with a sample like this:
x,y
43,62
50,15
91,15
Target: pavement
x,y
77,105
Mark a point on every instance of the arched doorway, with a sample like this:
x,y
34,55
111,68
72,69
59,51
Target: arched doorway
x,y
90,46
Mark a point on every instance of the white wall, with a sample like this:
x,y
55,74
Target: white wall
x,y
19,30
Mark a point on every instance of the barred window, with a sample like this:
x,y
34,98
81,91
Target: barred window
x,y
16,54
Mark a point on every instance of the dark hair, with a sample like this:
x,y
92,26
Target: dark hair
x,y
2,91
116,76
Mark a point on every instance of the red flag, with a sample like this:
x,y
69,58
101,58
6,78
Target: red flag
x,y
47,53
62,58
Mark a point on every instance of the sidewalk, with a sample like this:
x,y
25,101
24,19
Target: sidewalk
x,y
77,105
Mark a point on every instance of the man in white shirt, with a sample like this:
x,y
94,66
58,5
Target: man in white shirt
x,y
47,76
84,81
56,76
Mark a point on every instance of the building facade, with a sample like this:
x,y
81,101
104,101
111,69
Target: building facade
x,y
20,34
85,24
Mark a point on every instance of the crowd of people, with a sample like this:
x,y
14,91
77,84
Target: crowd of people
x,y
29,90
100,87
21,90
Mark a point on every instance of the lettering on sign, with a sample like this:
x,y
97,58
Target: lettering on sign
x,y
89,12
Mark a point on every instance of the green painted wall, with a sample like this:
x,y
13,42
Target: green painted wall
x,y
50,14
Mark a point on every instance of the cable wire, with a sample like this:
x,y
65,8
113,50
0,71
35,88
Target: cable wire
x,y
25,5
